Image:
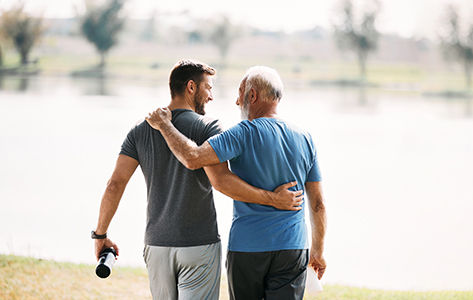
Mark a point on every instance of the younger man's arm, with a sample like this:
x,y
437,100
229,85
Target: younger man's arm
x,y
224,181
124,168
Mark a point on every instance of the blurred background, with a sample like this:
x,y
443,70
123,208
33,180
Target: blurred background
x,y
383,86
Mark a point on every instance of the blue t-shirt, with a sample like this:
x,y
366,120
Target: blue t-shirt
x,y
266,153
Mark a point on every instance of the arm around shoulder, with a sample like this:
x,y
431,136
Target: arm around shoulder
x,y
199,157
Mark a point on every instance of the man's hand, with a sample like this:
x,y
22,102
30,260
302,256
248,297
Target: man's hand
x,y
158,118
101,244
285,199
317,262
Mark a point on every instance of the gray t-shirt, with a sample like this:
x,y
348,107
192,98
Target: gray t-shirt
x,y
181,210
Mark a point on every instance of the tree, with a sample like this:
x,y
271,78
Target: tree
x,y
23,29
458,46
101,25
360,37
222,36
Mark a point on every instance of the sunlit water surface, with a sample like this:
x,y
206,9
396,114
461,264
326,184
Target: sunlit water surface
x,y
397,175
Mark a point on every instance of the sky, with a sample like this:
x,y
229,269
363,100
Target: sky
x,y
408,18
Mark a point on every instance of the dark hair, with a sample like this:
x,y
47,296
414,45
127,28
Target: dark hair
x,y
184,71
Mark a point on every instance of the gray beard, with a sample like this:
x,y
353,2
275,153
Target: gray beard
x,y
244,109
244,113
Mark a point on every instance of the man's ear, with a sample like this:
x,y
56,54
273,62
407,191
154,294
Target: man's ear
x,y
253,96
191,86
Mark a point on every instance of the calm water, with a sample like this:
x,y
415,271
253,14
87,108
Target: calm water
x,y
397,169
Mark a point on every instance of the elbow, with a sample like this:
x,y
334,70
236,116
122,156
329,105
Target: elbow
x,y
216,183
191,165
319,207
192,161
115,186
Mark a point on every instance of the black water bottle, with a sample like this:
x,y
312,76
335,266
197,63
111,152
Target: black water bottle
x,y
106,261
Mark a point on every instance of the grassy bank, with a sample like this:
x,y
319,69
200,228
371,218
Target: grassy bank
x,y
30,278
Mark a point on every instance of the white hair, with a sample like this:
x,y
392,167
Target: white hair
x,y
266,81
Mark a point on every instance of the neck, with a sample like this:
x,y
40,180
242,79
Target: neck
x,y
180,102
268,110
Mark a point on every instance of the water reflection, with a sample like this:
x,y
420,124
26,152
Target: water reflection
x,y
468,107
96,87
23,84
14,83
362,100
359,99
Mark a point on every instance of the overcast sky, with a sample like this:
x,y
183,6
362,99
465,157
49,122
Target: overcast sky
x,y
405,17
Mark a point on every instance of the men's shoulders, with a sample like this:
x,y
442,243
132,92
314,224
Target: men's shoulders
x,y
189,115
209,121
197,127
298,130
132,141
140,128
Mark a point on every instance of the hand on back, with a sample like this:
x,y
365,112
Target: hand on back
x,y
286,199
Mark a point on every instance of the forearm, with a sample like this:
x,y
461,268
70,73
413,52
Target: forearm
x,y
109,205
225,181
317,215
319,225
237,189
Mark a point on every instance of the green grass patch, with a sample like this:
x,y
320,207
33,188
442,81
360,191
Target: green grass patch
x,y
32,278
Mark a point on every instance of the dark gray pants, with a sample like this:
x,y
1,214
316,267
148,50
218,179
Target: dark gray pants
x,y
268,275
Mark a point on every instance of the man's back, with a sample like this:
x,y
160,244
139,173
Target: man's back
x,y
180,210
267,152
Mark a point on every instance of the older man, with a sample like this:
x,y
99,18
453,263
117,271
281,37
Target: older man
x,y
268,253
182,245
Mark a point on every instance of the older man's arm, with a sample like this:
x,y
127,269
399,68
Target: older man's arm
x,y
318,222
226,182
187,152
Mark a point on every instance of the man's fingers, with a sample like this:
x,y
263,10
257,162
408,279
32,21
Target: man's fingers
x,y
116,249
320,273
290,206
299,192
290,184
286,185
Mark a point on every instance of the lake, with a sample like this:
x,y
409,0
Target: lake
x,y
397,175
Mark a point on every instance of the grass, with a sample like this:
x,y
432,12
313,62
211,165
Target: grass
x,y
32,278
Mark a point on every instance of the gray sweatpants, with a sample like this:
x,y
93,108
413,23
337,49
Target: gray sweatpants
x,y
184,272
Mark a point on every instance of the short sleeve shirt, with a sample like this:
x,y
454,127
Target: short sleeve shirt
x,y
267,152
180,209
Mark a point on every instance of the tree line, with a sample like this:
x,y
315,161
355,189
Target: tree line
x,y
101,23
